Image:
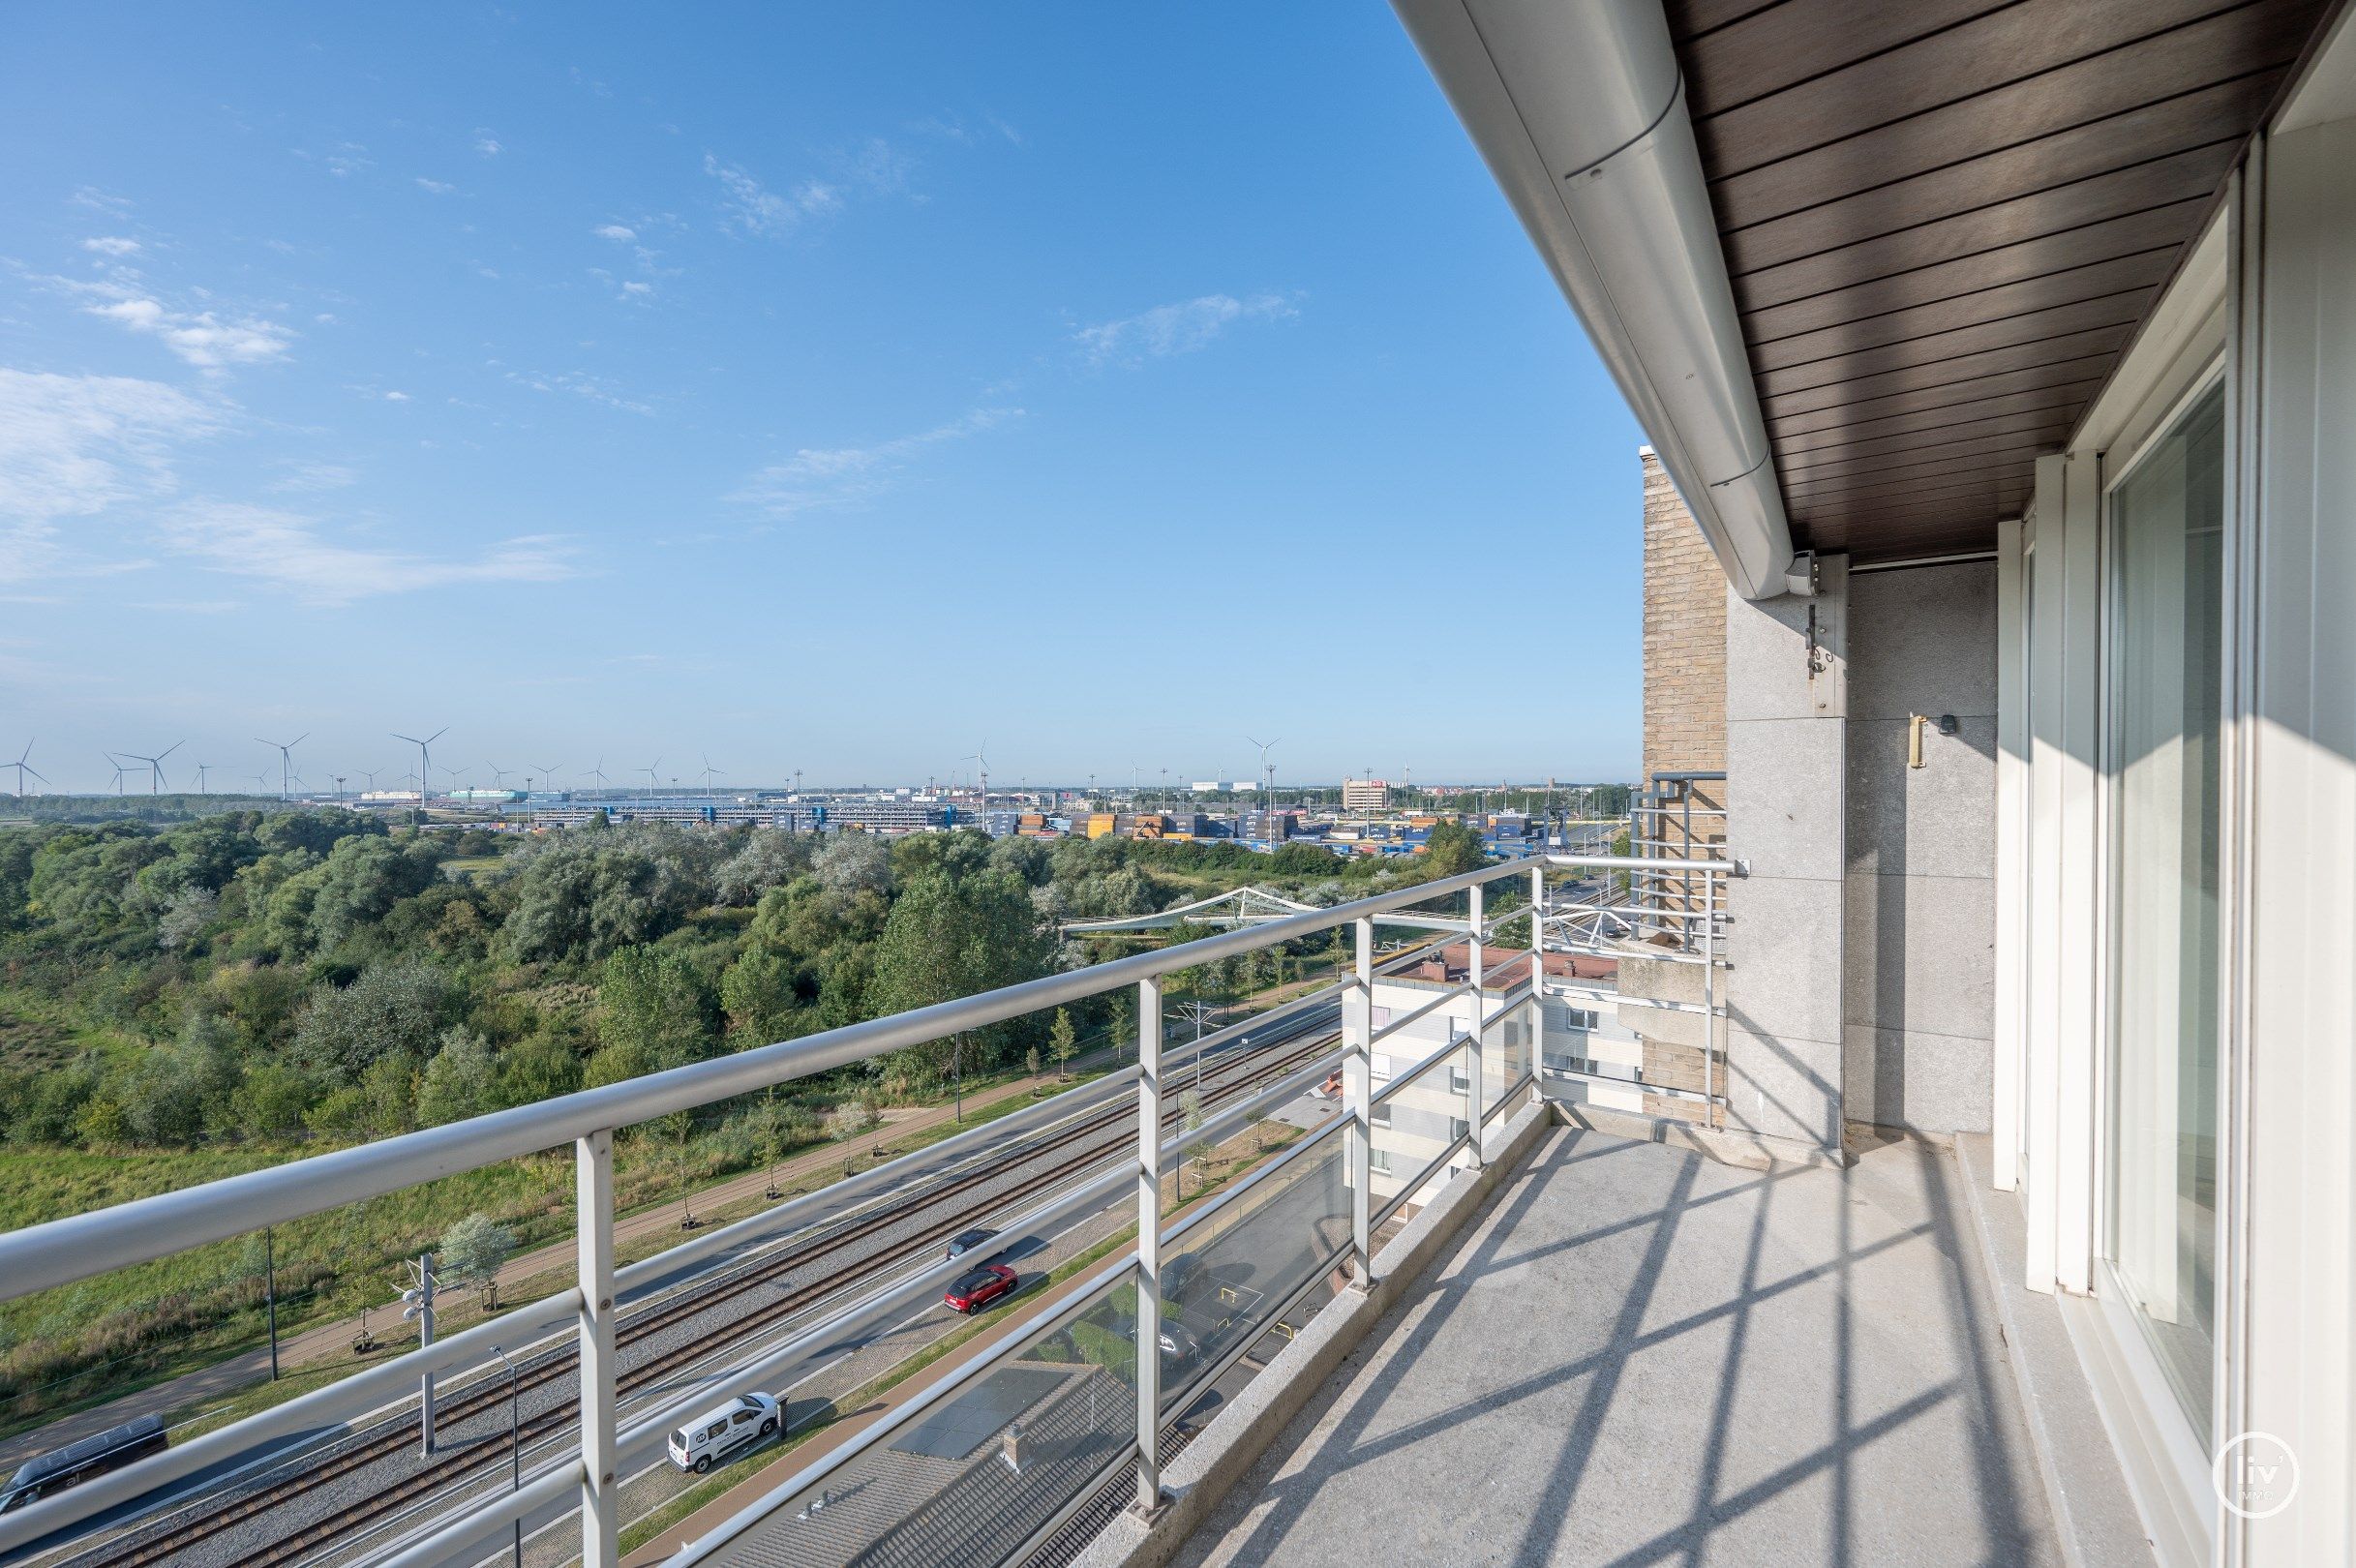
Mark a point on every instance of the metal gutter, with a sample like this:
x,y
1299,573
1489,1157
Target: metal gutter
x,y
1579,109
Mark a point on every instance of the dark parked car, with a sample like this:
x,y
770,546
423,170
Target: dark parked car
x,y
1181,1276
971,1292
969,1241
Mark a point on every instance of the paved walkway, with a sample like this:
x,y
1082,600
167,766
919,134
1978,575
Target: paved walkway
x,y
1635,1356
331,1341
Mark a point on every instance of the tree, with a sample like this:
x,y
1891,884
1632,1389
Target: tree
x,y
1452,849
461,1079
653,1006
1190,1117
953,937
270,1102
1062,1041
1030,1062
850,1119
849,863
473,1251
770,857
757,995
191,908
392,1009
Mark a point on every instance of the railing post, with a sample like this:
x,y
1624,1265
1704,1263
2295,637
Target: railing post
x,y
1149,1244
1710,999
1474,1051
1537,980
1358,1098
594,1220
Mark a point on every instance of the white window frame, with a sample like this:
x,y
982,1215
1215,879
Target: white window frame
x,y
2067,890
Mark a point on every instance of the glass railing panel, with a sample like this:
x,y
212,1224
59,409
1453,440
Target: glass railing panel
x,y
1505,1052
1225,1276
1413,1128
970,1478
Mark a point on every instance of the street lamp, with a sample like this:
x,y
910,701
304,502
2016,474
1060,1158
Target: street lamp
x,y
515,1450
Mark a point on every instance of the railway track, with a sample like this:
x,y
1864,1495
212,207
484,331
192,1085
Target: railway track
x,y
1084,1140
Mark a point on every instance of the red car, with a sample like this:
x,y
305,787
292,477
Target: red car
x,y
971,1292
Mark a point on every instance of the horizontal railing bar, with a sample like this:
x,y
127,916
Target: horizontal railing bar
x,y
500,1509
1432,1168
1125,1454
1181,1054
1218,1366
814,1473
1505,1093
1401,1079
1459,989
473,1527
60,1251
841,1196
1230,1117
1172,1234
314,1412
1622,862
1669,1091
1100,1193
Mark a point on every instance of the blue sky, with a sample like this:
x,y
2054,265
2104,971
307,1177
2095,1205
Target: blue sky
x,y
820,388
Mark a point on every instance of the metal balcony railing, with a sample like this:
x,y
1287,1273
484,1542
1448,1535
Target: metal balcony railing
x,y
1009,1447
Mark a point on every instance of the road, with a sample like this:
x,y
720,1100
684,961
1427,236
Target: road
x,y
678,1332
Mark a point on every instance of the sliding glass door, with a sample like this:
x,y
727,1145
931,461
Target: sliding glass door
x,y
2166,534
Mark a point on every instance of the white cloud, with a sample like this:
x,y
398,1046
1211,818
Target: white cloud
x,y
487,144
1179,328
638,291
614,232
396,396
753,208
110,245
595,388
73,446
832,476
438,186
304,479
287,550
203,338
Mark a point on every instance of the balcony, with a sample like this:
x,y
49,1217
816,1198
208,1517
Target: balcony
x,y
1029,1438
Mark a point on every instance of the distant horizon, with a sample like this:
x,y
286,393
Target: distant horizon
x,y
807,787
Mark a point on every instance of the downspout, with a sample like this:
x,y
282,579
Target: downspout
x,y
1579,109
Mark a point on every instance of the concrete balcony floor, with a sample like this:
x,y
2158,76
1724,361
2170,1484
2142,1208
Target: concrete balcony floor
x,y
1636,1355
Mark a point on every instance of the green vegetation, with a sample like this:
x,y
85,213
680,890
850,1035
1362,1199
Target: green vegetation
x,y
185,1000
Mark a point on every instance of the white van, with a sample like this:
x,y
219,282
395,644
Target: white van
x,y
702,1442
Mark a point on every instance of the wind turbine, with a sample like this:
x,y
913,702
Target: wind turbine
x,y
285,760
116,763
982,763
425,760
369,774
155,765
709,770
652,778
203,768
261,783
1267,786
23,766
499,776
604,784
548,776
